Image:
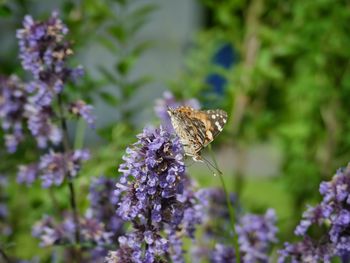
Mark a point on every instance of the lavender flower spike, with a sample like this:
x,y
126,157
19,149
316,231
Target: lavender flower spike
x,y
156,197
333,215
43,52
81,109
255,236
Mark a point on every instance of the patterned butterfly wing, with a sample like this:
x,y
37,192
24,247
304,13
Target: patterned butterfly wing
x,y
216,120
191,130
196,129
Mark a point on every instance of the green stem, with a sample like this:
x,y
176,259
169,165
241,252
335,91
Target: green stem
x,y
232,218
66,147
4,256
79,134
230,208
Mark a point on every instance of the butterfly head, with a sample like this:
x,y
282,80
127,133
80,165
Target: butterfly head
x,y
175,114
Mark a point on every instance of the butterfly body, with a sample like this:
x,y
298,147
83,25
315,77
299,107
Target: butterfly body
x,y
196,128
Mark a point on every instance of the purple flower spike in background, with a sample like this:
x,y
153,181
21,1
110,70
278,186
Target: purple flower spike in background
x,y
41,126
13,99
43,52
55,166
5,229
256,234
157,198
27,174
103,203
307,250
223,254
333,214
81,109
51,232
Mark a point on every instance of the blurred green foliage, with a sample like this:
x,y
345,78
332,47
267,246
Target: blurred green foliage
x,y
289,85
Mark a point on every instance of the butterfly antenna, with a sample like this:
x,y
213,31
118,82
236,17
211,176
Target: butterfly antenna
x,y
190,164
208,164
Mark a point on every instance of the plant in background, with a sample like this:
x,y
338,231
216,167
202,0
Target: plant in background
x,y
256,233
331,217
41,106
5,228
100,226
285,84
157,198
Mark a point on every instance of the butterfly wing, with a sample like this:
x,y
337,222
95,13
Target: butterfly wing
x,y
194,133
214,122
196,129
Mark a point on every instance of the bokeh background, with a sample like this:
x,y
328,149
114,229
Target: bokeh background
x,y
279,68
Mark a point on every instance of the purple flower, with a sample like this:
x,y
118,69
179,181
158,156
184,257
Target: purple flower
x,y
93,230
5,229
223,254
256,234
13,98
50,232
333,214
41,126
169,101
156,197
55,166
103,203
306,250
81,109
27,174
43,52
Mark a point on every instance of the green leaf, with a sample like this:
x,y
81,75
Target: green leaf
x,y
108,98
5,11
108,44
141,47
124,66
118,32
108,75
143,11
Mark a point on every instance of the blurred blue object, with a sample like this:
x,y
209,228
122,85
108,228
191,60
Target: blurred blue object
x,y
217,82
225,57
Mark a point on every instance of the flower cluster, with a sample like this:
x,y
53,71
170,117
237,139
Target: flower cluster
x,y
41,126
99,228
169,101
156,198
103,203
214,200
333,213
13,98
255,236
256,233
81,109
44,52
4,227
307,250
51,232
223,254
53,168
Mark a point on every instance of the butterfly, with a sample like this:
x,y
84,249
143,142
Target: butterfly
x,y
196,128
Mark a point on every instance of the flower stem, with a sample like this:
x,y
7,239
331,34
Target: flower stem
x,y
66,147
232,218
4,256
231,211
